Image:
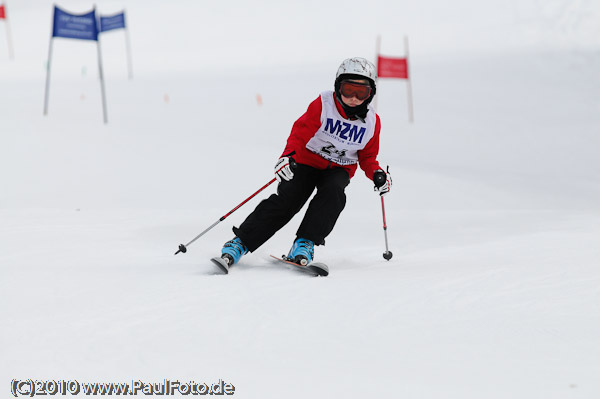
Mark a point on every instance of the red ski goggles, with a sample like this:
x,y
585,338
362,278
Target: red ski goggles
x,y
352,89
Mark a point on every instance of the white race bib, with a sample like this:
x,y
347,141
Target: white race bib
x,y
338,139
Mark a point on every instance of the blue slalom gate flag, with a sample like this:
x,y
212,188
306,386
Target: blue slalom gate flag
x,y
72,26
75,26
111,22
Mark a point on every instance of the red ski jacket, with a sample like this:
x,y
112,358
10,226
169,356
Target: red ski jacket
x,y
305,128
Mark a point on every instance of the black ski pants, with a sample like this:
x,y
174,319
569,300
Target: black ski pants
x,y
276,211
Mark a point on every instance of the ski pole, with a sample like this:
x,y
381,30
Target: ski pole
x,y
183,248
379,180
387,255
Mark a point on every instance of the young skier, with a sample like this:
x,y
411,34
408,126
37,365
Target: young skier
x,y
339,130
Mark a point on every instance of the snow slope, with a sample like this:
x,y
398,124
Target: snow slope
x,y
493,219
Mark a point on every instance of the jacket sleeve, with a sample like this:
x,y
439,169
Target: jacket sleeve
x,y
367,157
304,128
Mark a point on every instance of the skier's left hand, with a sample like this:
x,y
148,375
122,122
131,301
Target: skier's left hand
x,y
383,182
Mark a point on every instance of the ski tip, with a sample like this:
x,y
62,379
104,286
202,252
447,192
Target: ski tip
x,y
320,269
316,269
221,264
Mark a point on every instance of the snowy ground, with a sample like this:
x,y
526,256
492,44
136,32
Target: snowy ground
x,y
494,222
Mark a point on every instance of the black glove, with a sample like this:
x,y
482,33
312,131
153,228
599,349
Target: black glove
x,y
383,181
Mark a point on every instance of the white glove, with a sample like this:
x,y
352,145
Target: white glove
x,y
381,186
283,169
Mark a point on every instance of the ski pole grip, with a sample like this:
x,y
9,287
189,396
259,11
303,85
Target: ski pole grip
x,y
379,178
293,163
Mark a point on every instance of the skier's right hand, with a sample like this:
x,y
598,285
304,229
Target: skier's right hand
x,y
284,169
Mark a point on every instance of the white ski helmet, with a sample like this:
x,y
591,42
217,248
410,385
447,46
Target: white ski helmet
x,y
358,66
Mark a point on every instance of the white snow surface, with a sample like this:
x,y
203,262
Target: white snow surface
x,y
494,216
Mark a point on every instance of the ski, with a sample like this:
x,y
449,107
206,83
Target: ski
x,y
221,264
313,268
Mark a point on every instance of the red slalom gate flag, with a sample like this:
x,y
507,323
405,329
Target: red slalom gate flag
x,y
2,12
392,67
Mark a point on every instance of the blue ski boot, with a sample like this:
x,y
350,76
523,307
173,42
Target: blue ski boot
x,y
233,250
302,251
